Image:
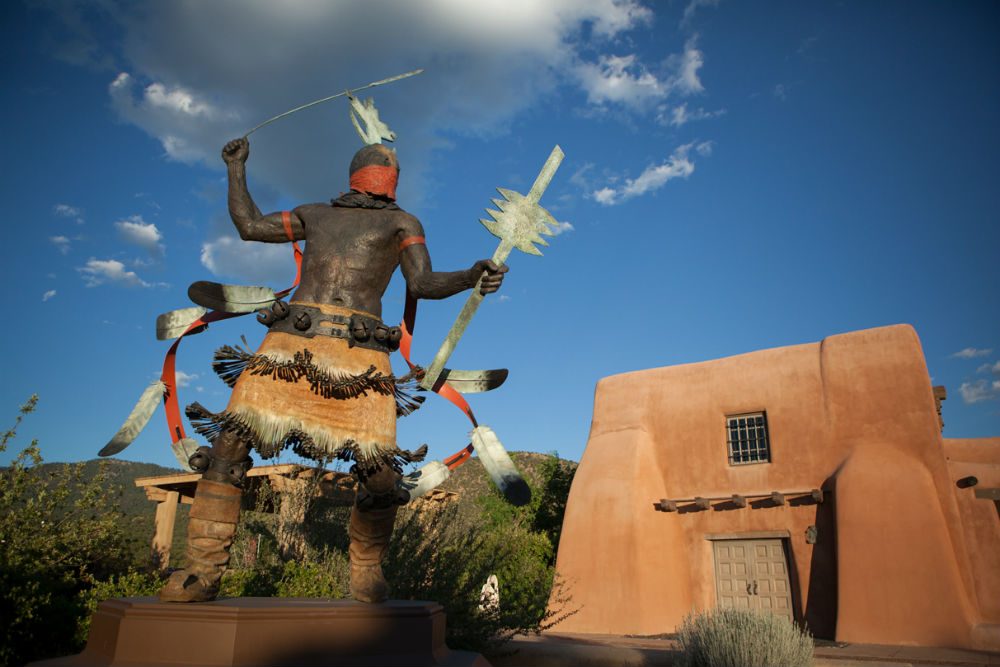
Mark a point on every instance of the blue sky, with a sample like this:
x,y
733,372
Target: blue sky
x,y
738,176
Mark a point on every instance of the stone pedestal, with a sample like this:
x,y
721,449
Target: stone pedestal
x,y
267,632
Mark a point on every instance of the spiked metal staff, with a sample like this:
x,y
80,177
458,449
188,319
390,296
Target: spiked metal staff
x,y
519,223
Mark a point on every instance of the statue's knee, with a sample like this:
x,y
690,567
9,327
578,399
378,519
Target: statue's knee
x,y
227,460
381,489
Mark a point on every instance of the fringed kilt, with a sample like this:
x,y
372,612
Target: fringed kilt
x,y
317,395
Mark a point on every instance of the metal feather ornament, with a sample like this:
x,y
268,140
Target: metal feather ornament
x,y
173,323
230,298
137,419
183,449
375,129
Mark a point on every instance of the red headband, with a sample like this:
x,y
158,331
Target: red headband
x,y
376,180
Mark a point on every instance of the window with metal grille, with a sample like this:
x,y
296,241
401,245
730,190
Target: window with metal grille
x,y
747,439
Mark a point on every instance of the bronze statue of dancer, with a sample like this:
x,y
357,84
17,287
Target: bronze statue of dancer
x,y
321,381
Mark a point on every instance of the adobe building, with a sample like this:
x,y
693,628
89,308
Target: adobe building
x,y
811,480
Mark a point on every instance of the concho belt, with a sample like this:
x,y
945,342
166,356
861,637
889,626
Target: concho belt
x,y
308,321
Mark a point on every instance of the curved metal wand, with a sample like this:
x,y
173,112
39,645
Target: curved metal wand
x,y
332,97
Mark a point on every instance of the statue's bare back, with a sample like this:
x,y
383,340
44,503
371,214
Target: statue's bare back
x,y
350,254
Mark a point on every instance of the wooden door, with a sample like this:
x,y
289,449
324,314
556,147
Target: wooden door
x,y
753,574
732,573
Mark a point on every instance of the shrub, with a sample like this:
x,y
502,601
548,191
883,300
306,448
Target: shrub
x,y
131,583
326,577
742,638
434,555
544,513
58,535
255,582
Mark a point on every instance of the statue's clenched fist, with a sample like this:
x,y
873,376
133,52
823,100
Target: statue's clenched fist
x,y
237,150
491,273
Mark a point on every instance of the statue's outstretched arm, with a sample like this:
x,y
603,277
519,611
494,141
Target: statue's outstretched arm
x,y
425,283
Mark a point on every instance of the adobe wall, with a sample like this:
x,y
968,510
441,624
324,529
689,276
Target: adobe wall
x,y
980,458
854,415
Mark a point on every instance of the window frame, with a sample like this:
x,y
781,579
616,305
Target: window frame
x,y
733,455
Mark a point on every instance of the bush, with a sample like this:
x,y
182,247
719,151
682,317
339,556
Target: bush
x,y
544,513
327,577
742,638
58,535
255,582
436,556
131,583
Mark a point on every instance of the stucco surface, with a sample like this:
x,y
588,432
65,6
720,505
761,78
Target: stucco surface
x,y
901,554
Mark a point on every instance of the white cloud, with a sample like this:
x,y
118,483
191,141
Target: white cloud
x,y
503,297
61,242
48,295
67,211
485,62
620,79
144,234
110,271
705,148
625,81
259,263
989,368
148,201
654,177
178,101
780,91
159,109
692,7
971,353
580,177
185,379
561,227
612,17
686,80
605,196
978,391
680,115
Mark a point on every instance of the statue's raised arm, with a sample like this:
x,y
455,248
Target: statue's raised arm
x,y
250,222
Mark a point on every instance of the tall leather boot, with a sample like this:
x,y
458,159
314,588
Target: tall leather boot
x,y
370,530
214,515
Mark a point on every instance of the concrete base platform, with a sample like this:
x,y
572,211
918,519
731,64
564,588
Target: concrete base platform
x,y
267,632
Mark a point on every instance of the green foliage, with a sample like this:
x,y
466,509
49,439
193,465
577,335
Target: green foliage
x,y
131,583
443,554
64,549
257,581
742,638
544,514
326,577
437,556
58,535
